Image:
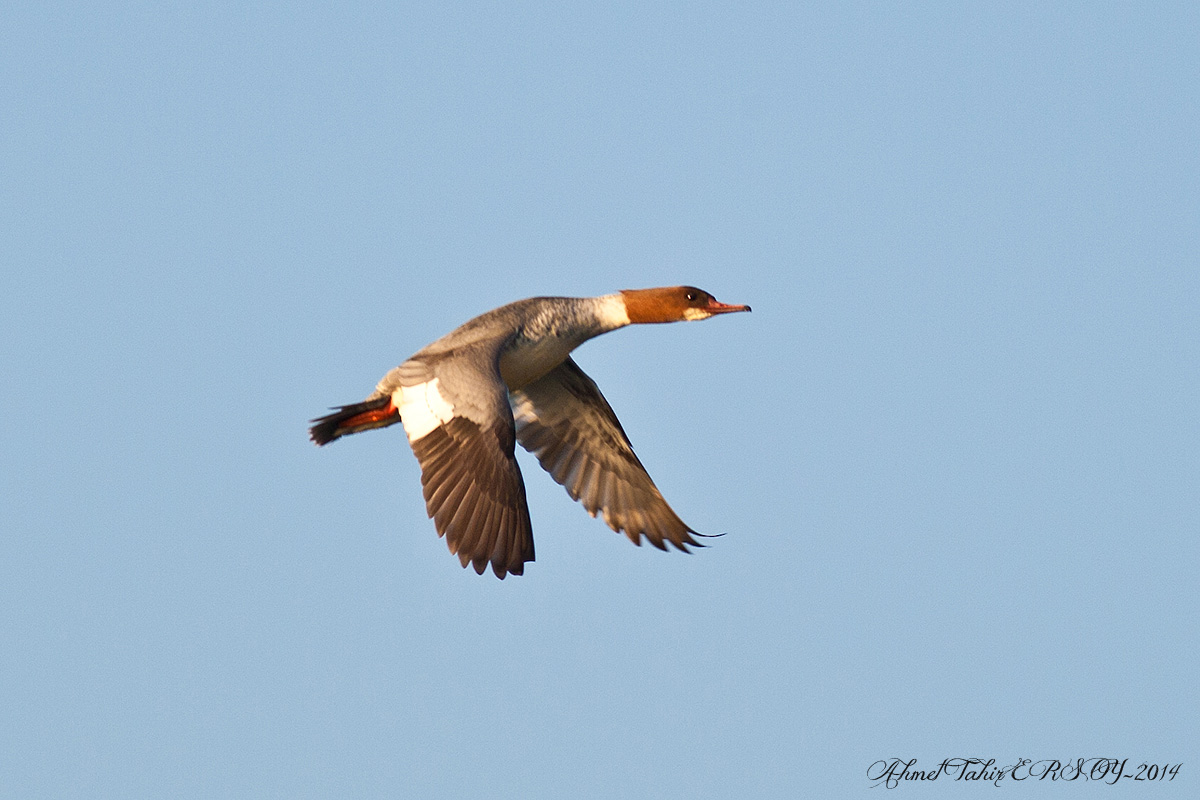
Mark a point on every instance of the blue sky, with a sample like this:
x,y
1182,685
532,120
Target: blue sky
x,y
954,448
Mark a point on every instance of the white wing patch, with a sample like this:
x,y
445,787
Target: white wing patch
x,y
422,408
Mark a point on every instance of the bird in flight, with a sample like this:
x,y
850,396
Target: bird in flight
x,y
505,377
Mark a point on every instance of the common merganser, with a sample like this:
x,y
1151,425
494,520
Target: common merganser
x,y
507,376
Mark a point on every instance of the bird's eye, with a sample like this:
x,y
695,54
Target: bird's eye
x,y
691,296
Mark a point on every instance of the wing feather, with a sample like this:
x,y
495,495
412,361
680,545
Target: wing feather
x,y
564,420
471,482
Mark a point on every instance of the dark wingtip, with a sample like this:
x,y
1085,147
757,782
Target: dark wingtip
x,y
689,541
707,536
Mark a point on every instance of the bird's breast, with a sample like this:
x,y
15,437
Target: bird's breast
x,y
529,358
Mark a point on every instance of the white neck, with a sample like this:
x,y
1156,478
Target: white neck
x,y
610,310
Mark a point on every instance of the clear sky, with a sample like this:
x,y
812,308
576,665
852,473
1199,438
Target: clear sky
x,y
954,448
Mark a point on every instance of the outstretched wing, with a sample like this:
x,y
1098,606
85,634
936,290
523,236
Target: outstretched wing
x,y
458,421
564,420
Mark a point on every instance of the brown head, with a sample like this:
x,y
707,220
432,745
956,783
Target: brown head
x,y
673,304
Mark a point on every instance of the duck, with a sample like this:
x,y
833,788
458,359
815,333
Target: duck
x,y
507,376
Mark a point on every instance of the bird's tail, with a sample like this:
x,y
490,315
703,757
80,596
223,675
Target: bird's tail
x,y
376,413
